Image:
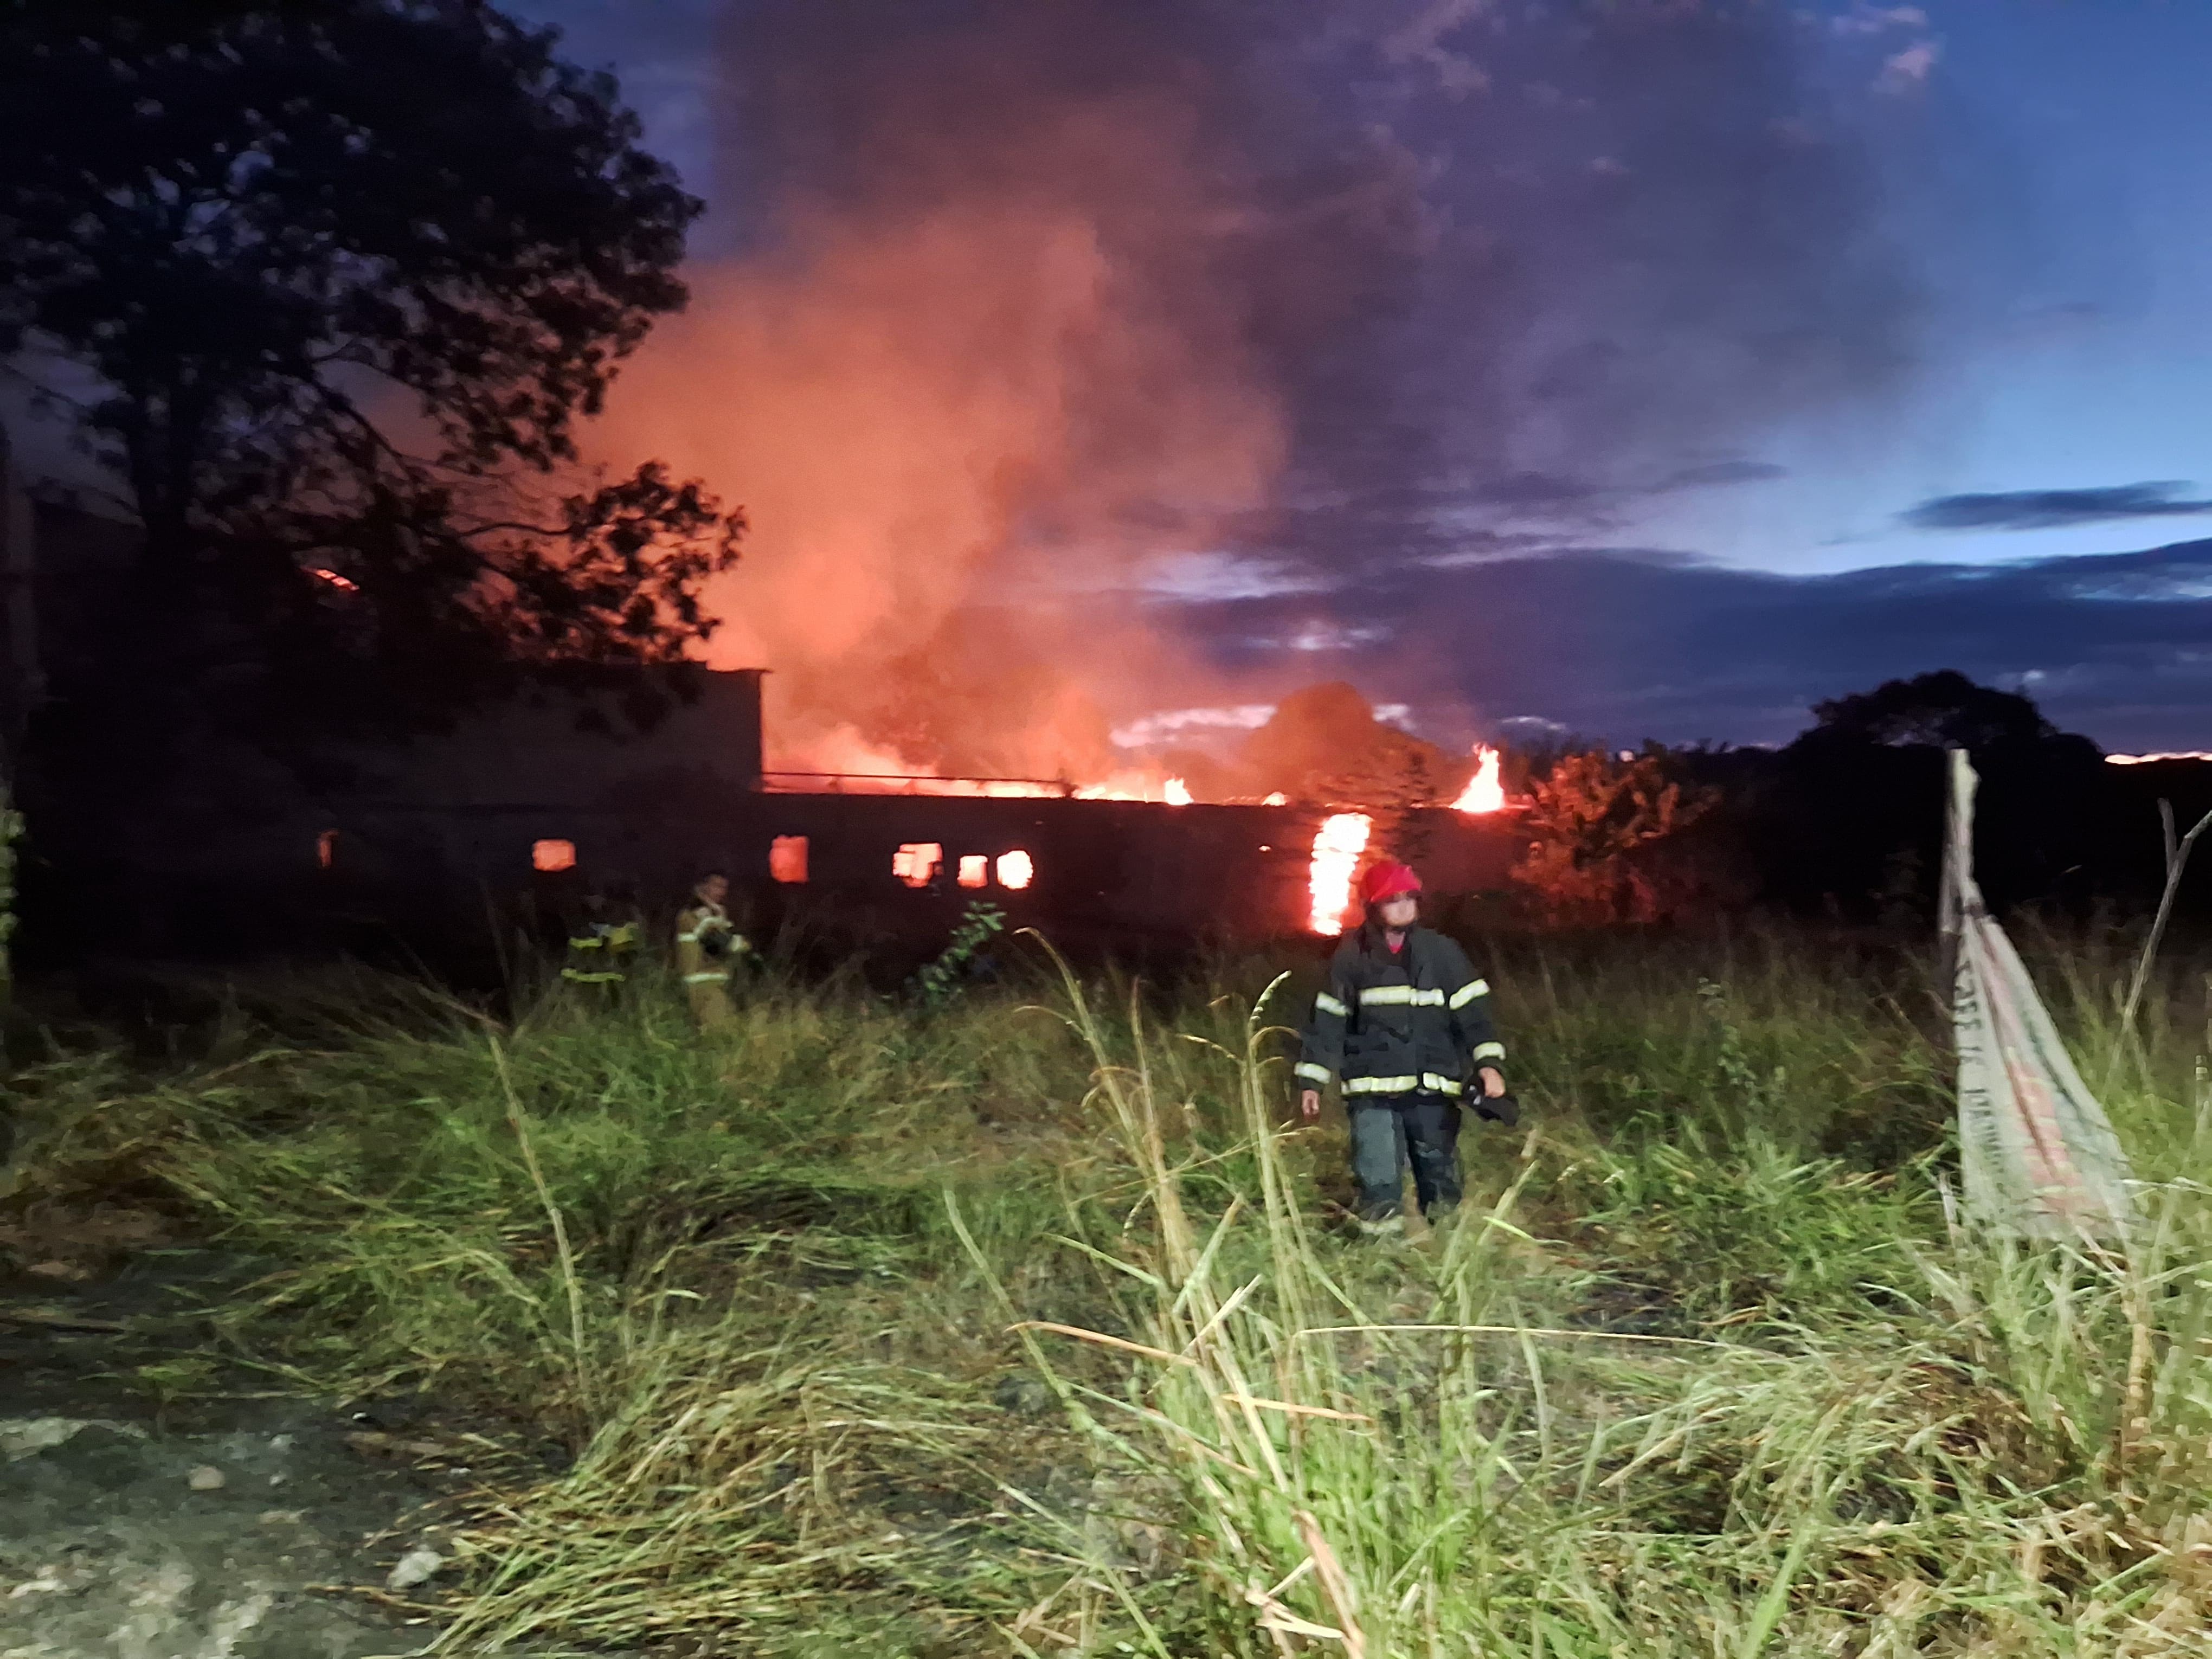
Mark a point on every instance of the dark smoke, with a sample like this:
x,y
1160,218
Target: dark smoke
x,y
1336,284
1517,237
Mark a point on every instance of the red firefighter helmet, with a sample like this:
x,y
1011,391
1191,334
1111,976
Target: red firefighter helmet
x,y
1389,881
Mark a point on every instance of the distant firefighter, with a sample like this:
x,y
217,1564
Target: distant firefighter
x,y
603,946
1403,1020
707,948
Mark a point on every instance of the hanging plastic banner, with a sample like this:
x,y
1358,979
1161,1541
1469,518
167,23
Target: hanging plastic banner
x,y
2039,1155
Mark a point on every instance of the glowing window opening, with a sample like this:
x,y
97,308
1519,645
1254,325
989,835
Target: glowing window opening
x,y
917,862
327,849
1016,870
975,870
787,859
551,856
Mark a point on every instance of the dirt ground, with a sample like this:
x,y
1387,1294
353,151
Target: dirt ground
x,y
155,1506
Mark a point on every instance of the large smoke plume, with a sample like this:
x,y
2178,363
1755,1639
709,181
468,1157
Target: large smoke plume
x,y
1034,296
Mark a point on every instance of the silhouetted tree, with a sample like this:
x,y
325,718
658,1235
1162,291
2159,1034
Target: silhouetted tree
x,y
1944,709
326,288
1854,823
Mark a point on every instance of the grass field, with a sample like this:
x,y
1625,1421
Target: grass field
x,y
1030,1324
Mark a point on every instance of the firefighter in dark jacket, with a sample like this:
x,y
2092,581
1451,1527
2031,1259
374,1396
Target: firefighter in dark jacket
x,y
603,945
1403,1021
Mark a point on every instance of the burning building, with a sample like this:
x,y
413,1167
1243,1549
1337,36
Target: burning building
x,y
520,801
537,799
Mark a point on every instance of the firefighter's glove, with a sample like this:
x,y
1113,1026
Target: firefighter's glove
x,y
1498,1109
714,943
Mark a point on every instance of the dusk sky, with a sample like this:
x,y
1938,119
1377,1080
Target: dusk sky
x,y
1717,434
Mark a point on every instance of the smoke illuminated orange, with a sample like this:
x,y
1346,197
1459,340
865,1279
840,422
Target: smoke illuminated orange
x,y
1486,790
1336,850
924,390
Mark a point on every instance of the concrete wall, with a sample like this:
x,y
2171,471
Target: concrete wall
x,y
549,749
1105,873
656,810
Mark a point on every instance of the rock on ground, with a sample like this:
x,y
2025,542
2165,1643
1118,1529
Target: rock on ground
x,y
201,1531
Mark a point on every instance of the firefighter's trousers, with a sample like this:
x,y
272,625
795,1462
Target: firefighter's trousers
x,y
1422,1129
710,994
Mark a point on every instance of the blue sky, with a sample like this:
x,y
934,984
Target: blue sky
x,y
2083,352
1998,327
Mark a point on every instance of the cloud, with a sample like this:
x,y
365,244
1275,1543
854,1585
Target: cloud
x,y
1181,724
2053,509
1420,41
1622,644
1722,472
1864,18
1533,491
1902,71
1906,69
1479,546
1334,636
1445,527
1203,576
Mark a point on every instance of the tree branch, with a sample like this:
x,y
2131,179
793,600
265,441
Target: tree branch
x,y
2176,860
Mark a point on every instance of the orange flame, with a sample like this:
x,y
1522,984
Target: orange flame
x,y
1486,790
1336,850
1128,784
841,764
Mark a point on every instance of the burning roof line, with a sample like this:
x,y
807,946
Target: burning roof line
x,y
1172,792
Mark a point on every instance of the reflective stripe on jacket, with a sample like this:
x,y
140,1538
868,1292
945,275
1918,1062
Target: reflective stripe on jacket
x,y
706,945
600,955
1399,1023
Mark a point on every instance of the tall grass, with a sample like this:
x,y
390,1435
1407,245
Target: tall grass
x,y
1027,1324
1952,1445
